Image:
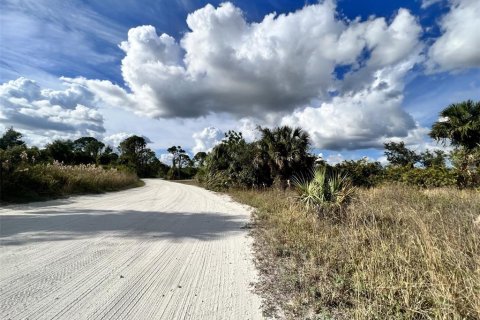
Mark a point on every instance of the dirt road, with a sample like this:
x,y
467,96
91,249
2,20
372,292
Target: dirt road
x,y
162,251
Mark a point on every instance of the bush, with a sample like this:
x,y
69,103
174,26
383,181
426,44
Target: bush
x,y
233,162
362,173
467,165
219,181
433,177
324,189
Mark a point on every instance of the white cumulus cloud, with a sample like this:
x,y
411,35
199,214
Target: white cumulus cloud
x,y
166,158
341,80
333,159
360,119
113,140
459,45
45,114
248,128
206,139
227,64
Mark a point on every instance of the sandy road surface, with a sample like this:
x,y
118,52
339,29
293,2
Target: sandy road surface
x,y
163,251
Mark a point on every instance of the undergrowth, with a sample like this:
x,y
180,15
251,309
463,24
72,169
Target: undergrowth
x,y
397,253
46,181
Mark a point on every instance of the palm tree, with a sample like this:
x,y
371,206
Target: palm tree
x,y
285,150
460,123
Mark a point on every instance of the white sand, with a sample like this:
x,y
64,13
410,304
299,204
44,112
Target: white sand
x,y
163,251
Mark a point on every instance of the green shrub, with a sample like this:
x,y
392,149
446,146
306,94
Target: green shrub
x,y
219,181
362,173
324,189
433,177
467,165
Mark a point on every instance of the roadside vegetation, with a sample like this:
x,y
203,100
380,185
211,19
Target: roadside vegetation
x,y
360,240
46,181
63,167
282,155
395,252
85,165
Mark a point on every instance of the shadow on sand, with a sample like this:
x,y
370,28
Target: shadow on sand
x,y
61,224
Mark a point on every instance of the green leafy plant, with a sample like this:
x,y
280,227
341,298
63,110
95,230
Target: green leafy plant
x,y
362,173
324,189
218,181
433,177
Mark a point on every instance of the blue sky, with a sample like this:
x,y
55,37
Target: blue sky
x,y
229,66
115,20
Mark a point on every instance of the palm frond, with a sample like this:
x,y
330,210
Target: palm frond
x,y
322,189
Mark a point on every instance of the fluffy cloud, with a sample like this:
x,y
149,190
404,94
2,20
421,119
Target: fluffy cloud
x,y
45,114
248,128
166,158
206,139
383,160
333,159
210,136
419,141
459,45
226,64
363,118
114,140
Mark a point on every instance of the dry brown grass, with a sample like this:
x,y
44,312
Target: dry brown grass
x,y
40,182
89,178
398,253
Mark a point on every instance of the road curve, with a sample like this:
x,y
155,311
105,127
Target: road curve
x,y
162,251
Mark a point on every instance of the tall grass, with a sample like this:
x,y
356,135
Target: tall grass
x,y
397,253
42,181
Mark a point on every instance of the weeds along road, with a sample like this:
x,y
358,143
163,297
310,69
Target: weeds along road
x,y
162,251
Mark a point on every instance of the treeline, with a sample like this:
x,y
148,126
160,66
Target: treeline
x,y
458,127
278,156
66,166
132,154
282,154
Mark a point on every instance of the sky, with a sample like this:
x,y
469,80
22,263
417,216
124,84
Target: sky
x,y
353,74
